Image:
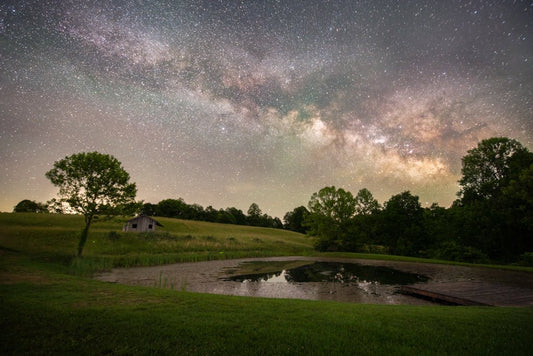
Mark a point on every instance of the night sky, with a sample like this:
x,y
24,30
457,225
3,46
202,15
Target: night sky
x,y
226,103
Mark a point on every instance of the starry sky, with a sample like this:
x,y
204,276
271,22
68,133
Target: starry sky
x,y
226,103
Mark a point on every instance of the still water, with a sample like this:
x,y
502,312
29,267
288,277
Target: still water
x,y
282,277
333,272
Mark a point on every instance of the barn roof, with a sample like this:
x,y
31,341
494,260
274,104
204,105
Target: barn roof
x,y
145,217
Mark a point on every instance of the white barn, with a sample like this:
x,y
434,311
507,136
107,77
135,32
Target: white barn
x,y
141,223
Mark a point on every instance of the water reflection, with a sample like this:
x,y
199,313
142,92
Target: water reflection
x,y
281,277
343,273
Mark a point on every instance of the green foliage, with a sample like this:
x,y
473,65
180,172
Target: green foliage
x,y
336,205
178,208
295,220
330,218
402,225
171,208
365,204
452,251
30,206
91,184
493,220
497,199
489,167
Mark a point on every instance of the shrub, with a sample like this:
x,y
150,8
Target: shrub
x,y
452,251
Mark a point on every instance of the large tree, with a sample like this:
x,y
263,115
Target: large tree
x,y
495,199
92,183
330,217
365,204
489,167
402,223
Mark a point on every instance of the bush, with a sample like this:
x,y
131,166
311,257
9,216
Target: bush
x,y
452,251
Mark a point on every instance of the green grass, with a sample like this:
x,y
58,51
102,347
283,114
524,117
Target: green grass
x,y
178,241
45,309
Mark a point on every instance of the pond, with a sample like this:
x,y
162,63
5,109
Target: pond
x,y
283,277
336,279
334,272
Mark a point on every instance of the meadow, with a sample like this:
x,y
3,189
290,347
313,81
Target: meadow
x,y
50,305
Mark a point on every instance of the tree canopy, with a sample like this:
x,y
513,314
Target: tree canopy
x,y
491,220
490,166
92,183
30,206
365,204
330,213
295,220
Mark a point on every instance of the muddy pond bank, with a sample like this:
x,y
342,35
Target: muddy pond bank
x,y
355,280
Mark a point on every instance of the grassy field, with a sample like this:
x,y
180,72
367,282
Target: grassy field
x,y
178,241
47,307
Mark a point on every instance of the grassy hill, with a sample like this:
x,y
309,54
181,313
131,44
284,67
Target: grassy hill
x,y
178,241
48,307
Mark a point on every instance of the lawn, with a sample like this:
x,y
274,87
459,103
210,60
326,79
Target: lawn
x,y
45,308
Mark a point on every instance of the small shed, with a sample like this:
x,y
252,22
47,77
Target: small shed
x,y
141,223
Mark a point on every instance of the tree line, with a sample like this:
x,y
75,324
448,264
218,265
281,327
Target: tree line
x,y
491,220
178,208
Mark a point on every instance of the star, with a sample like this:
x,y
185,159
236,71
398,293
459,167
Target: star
x,y
230,103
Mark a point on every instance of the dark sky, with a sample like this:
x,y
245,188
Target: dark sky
x,y
226,103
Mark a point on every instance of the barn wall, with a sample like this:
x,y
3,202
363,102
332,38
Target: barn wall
x,y
143,225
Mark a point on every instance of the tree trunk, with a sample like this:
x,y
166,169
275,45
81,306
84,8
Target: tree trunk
x,y
83,239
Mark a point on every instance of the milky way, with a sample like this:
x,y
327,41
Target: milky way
x,y
226,103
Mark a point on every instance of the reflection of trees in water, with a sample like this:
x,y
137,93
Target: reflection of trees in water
x,y
339,273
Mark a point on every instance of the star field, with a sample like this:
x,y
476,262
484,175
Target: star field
x,y
226,103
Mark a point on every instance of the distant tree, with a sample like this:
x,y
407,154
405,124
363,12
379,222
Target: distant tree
x,y
402,223
149,209
365,204
294,220
254,210
254,215
92,183
225,217
196,211
336,204
363,229
171,208
330,217
30,206
276,223
489,167
210,214
238,214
